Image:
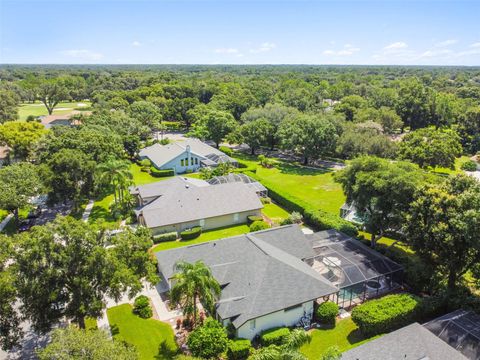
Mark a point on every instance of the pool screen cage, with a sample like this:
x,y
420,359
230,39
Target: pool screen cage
x,y
358,271
234,177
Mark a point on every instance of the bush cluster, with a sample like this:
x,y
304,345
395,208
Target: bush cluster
x,y
327,312
386,314
266,200
258,225
142,308
193,233
238,349
226,150
318,219
275,336
173,125
209,340
170,236
252,218
294,218
161,173
469,165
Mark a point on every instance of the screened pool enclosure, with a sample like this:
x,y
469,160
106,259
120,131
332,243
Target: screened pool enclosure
x,y
233,177
358,271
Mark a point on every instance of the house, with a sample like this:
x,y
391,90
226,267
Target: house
x,y
412,342
273,277
183,156
181,203
50,121
265,282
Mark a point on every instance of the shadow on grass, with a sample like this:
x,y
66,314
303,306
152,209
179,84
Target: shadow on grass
x,y
355,336
165,351
114,329
99,212
298,170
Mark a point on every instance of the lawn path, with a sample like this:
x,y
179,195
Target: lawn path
x,y
88,210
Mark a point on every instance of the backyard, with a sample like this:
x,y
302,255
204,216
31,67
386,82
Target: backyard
x,y
345,335
153,339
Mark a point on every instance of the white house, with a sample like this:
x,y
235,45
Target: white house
x,y
265,282
183,156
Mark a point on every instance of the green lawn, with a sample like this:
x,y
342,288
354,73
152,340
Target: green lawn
x,y
152,338
205,236
345,335
315,186
275,212
38,109
91,323
458,166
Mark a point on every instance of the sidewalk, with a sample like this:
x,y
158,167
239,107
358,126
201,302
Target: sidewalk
x,y
88,210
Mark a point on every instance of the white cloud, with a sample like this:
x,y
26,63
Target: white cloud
x,y
227,51
396,45
136,43
475,45
435,53
265,47
473,51
83,54
446,43
347,50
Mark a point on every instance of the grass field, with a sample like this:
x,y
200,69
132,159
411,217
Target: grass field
x,y
345,335
38,109
153,339
275,212
204,237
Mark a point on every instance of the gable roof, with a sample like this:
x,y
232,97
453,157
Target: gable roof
x,y
162,154
259,272
182,200
412,342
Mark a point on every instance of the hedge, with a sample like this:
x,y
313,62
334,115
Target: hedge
x,y
226,150
318,219
469,165
386,314
173,125
161,173
238,349
253,218
170,236
327,312
193,233
275,336
258,225
141,307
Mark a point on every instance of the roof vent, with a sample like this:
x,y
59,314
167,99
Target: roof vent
x,y
187,186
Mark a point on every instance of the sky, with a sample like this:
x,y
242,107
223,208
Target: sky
x,y
428,32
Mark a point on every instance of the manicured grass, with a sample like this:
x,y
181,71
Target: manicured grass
x,y
345,335
275,212
38,109
141,178
153,339
458,166
204,237
315,186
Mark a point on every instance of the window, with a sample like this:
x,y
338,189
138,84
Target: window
x,y
196,161
236,217
186,162
252,324
182,162
202,222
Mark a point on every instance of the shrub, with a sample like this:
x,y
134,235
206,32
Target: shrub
x,y
275,336
318,219
193,233
327,312
170,236
469,165
164,141
385,314
252,218
266,200
145,165
141,307
226,150
209,340
161,173
258,225
238,349
294,218
173,125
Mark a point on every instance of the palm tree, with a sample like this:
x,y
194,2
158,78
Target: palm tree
x,y
193,283
117,173
287,351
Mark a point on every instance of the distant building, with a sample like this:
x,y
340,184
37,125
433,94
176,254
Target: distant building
x,y
50,121
181,203
183,156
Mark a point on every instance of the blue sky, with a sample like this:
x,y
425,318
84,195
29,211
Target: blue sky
x,y
240,32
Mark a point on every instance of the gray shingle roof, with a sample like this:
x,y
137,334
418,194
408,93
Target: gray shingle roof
x,y
412,342
260,272
162,154
181,200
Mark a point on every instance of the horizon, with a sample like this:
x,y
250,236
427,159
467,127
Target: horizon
x,y
288,32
